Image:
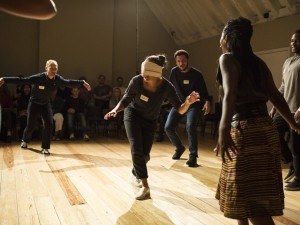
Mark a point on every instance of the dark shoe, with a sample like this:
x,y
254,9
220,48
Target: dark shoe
x,y
23,144
178,154
293,186
290,175
159,138
45,151
192,162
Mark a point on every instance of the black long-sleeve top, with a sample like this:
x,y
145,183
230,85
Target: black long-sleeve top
x,y
186,83
75,103
147,104
42,87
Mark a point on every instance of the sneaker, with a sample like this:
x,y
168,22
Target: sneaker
x,y
45,151
86,137
72,137
143,193
293,186
178,154
55,138
290,175
192,162
136,182
23,144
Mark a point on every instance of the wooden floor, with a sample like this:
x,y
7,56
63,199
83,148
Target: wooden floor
x,y
90,183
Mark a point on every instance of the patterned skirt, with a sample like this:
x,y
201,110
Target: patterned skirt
x,y
251,184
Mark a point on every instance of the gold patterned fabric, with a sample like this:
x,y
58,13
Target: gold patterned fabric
x,y
251,184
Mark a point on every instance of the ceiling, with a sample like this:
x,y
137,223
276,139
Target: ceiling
x,y
189,21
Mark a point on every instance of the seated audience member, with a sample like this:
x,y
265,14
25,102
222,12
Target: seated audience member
x,y
6,102
114,100
22,104
64,92
17,92
102,93
57,104
119,85
75,109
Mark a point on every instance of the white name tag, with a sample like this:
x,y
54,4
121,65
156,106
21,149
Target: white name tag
x,y
186,81
42,87
144,98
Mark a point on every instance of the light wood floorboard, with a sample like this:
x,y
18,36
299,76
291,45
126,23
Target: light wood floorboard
x,y
90,183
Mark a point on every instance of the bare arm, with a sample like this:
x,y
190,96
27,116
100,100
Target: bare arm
x,y
31,9
230,75
113,113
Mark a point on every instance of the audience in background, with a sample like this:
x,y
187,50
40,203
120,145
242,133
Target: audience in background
x,y
6,102
84,94
22,104
115,123
57,104
102,93
119,84
17,92
75,109
64,92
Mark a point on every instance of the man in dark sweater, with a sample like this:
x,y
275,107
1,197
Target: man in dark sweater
x,y
186,79
43,84
75,109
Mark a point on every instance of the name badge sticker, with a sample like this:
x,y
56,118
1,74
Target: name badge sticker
x,y
186,81
42,87
144,98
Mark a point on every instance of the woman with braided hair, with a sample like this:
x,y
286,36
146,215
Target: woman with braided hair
x,y
142,102
250,184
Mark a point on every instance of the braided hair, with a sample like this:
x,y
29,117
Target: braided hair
x,y
239,32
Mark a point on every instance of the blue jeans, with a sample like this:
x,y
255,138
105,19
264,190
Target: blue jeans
x,y
81,117
172,123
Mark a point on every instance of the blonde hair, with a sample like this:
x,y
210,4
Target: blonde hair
x,y
51,61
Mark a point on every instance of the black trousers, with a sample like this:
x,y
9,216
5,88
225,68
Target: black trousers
x,y
34,113
140,135
290,148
